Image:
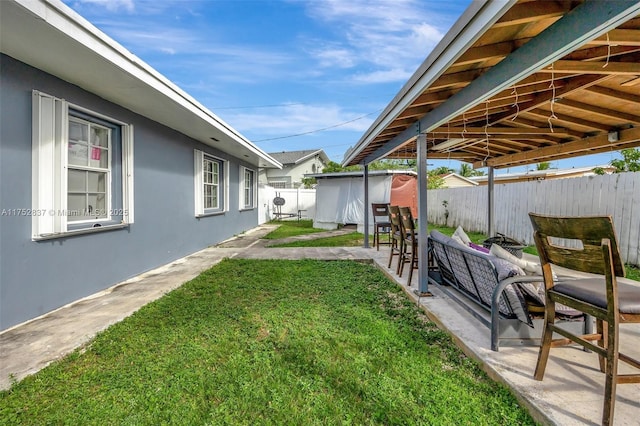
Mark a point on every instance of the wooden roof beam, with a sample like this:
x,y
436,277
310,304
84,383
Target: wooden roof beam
x,y
457,79
524,13
570,119
600,150
603,112
614,94
626,37
521,121
575,84
599,143
593,67
632,82
494,130
601,52
489,51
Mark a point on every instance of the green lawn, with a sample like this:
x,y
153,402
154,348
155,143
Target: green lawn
x,y
268,342
356,239
291,228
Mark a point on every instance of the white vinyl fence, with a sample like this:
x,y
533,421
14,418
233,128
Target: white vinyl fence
x,y
617,195
295,200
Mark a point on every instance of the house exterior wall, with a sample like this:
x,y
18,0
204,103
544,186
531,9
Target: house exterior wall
x,y
39,276
455,182
293,173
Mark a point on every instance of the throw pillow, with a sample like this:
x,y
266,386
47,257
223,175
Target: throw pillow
x,y
479,248
462,235
458,240
530,267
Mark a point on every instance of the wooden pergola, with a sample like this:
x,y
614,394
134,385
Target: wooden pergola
x,y
515,83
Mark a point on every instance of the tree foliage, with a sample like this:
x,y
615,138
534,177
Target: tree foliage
x,y
308,183
466,170
630,161
545,165
333,167
442,170
385,164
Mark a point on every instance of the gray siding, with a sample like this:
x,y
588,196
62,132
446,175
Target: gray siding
x,y
37,277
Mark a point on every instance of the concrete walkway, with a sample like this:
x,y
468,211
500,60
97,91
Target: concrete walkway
x,y
570,394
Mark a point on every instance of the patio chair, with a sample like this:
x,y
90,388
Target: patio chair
x,y
397,239
381,224
409,254
603,297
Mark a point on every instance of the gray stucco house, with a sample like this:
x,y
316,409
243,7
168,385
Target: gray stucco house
x,y
107,169
295,164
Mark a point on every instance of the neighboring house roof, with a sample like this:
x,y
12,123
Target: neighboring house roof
x,y
50,36
360,174
297,157
463,181
542,174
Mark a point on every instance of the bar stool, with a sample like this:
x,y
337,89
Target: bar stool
x,y
381,223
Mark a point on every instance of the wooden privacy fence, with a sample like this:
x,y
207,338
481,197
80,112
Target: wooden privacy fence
x,y
617,195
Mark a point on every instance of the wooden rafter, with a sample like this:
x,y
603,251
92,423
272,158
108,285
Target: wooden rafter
x,y
570,119
601,52
542,98
627,37
600,111
593,67
614,94
525,13
593,144
494,130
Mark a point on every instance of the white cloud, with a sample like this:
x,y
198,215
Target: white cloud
x,y
298,119
392,37
340,57
383,76
111,5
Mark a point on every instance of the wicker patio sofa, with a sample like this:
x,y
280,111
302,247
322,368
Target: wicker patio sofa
x,y
484,284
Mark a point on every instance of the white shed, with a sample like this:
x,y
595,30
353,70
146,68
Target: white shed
x,y
340,196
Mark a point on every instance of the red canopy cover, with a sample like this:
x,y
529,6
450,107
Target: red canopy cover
x,y
404,192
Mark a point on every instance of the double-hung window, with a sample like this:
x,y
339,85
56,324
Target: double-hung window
x,y
209,184
82,169
89,170
247,188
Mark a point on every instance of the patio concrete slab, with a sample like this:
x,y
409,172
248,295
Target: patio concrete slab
x,y
570,394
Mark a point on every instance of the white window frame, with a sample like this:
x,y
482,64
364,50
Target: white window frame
x,y
50,138
278,184
199,159
253,201
106,214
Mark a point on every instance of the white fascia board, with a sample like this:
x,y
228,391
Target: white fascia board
x,y
66,20
477,18
314,153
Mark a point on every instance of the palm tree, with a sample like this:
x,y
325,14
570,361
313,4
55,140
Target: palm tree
x,y
466,170
543,166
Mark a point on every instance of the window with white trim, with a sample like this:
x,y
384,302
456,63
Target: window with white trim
x,y
247,188
211,170
278,184
210,184
82,169
89,170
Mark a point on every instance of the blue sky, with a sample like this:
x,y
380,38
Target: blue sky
x,y
287,74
